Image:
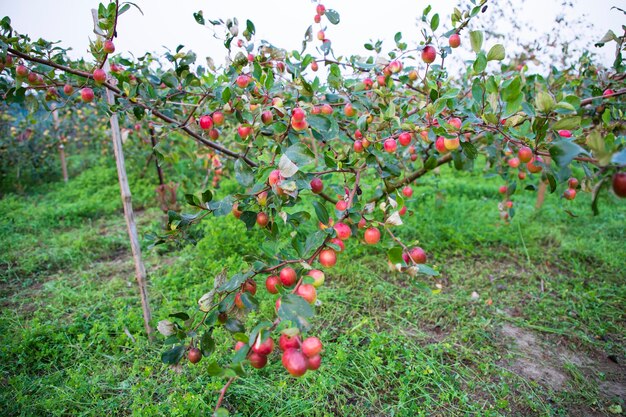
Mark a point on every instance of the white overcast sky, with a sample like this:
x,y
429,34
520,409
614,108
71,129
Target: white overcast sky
x,y
167,23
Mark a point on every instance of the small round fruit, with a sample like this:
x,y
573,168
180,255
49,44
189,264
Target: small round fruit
x,y
21,71
308,292
242,81
358,146
451,144
314,66
194,355
68,89
525,154
407,191
299,126
311,346
264,348
572,183
343,231
565,133
109,46
274,177
294,362
390,145
532,168
328,258
244,131
314,363
608,92
267,117
86,95
262,219
503,189
320,9
286,342
288,276
338,242
239,302
429,53
239,345
298,114
348,110
569,194
318,277
417,254
440,145
257,360
372,236
619,184
317,185
514,162
206,122
327,109
454,40
218,118
271,283
341,205
404,138
99,76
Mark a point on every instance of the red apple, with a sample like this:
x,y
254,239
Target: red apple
x,y
451,144
214,134
68,89
368,83
288,276
343,231
99,76
341,205
318,277
317,18
532,168
286,342
404,138
108,47
317,185
271,283
338,242
372,236
86,95
218,118
239,345
299,125
257,360
348,110
525,154
244,131
569,194
311,346
572,183
454,40
206,122
565,133
21,71
407,191
320,35
294,362
395,67
327,109
328,257
390,145
264,348
358,146
455,122
417,254
308,292
513,162
242,81
320,9
194,355
619,184
314,363
262,219
429,53
298,114
314,66
608,92
440,146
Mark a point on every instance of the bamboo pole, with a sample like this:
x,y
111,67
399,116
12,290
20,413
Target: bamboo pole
x,y
140,270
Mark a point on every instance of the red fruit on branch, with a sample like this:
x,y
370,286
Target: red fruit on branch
x,y
311,346
454,40
286,342
619,184
86,95
572,183
416,254
108,47
318,277
343,231
328,258
194,355
257,360
316,185
294,362
314,363
263,348
569,194
288,276
308,292
390,145
525,154
272,283
407,191
404,138
99,76
372,236
429,54
262,219
206,122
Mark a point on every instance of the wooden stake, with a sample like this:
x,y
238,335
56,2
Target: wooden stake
x,y
140,270
55,117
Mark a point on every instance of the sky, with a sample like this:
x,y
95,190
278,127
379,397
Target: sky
x,y
167,24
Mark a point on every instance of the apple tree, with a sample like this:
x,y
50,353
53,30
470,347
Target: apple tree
x,y
323,158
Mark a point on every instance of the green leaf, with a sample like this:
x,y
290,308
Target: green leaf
x,y
300,154
321,212
568,123
544,102
430,163
434,23
551,181
314,241
199,17
480,63
207,344
169,80
207,196
235,281
333,16
222,412
619,158
395,255
469,150
174,355
564,152
476,39
234,326
183,316
295,309
496,53
427,270
243,173
213,369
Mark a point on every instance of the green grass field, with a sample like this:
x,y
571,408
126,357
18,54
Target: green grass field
x,y
530,319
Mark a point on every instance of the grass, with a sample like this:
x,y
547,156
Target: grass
x,y
392,347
